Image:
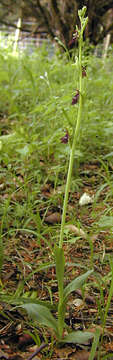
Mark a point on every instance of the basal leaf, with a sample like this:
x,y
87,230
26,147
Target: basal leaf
x,y
21,300
42,314
78,337
105,222
76,283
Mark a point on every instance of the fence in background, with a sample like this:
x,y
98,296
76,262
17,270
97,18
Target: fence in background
x,y
25,40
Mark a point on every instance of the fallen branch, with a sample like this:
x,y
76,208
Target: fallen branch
x,y
37,351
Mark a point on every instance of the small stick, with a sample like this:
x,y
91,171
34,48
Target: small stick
x,y
37,351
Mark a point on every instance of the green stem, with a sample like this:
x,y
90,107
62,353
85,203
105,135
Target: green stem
x,y
76,133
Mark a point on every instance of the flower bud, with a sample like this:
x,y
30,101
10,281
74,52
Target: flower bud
x,y
65,138
72,42
84,71
75,98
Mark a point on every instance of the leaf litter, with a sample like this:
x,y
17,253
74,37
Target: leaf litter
x,y
23,254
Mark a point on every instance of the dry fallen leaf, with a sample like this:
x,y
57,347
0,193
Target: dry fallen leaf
x,y
78,303
64,352
81,355
76,231
53,218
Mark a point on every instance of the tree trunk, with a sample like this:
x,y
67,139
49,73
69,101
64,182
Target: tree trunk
x,y
59,23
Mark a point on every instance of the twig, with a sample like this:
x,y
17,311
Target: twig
x,y
37,351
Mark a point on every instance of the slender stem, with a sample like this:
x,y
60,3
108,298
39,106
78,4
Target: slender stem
x,y
76,133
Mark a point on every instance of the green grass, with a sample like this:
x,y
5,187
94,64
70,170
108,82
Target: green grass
x,y
35,111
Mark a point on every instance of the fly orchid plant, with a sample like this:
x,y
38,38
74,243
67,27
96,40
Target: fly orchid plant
x,y
37,311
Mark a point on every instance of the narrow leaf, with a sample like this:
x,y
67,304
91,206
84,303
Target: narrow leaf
x,y
78,337
42,314
76,283
11,299
60,263
95,344
109,295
